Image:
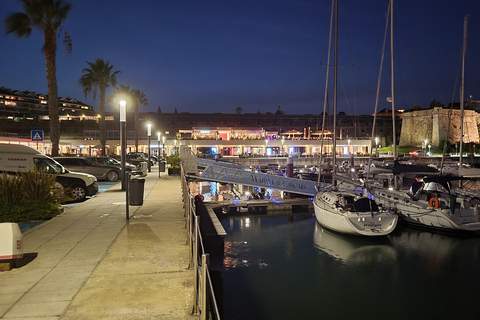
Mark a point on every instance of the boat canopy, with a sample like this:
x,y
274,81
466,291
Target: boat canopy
x,y
365,205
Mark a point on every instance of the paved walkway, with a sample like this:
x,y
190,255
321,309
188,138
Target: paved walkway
x,y
90,263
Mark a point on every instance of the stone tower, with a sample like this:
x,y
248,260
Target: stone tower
x,y
433,125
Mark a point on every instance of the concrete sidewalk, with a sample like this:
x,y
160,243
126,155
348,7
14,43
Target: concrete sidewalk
x,y
90,263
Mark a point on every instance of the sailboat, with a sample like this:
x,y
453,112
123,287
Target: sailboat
x,y
431,202
344,211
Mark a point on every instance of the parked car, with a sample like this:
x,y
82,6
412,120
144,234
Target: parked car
x,y
107,160
140,156
15,158
80,164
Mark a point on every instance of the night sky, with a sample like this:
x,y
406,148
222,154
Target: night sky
x,y
216,56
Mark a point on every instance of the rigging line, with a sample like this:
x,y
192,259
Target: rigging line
x,y
325,102
450,111
405,27
378,89
350,51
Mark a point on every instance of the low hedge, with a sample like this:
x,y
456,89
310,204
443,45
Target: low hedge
x,y
29,196
28,211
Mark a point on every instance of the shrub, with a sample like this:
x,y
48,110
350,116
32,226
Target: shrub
x,y
174,160
28,211
11,189
40,187
27,196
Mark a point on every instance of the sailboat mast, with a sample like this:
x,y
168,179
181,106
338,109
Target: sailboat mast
x,y
325,101
335,69
462,91
394,147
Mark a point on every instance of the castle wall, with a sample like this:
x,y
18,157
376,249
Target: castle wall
x,y
433,125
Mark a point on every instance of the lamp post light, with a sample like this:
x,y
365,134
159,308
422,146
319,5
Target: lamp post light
x,y
429,146
376,145
163,147
149,133
123,141
159,160
158,141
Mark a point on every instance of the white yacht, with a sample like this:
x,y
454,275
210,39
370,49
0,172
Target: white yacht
x,y
344,211
432,203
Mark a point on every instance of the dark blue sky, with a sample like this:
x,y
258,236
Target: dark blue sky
x,y
215,56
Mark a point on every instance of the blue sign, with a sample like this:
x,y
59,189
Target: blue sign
x,y
37,135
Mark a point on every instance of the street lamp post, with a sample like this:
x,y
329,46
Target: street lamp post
x,y
163,147
159,160
149,133
123,141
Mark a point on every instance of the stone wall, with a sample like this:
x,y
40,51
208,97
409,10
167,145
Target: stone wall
x,y
432,124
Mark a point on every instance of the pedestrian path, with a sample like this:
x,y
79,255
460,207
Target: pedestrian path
x,y
90,263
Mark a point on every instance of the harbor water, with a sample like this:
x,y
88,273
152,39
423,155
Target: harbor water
x,y
289,267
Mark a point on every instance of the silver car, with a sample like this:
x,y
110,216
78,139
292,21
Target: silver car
x,y
105,160
80,164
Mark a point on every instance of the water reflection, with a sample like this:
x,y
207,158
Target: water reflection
x,y
290,268
354,251
436,253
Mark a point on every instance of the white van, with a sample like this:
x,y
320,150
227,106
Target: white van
x,y
14,158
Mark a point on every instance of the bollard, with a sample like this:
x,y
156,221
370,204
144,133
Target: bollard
x,y
290,167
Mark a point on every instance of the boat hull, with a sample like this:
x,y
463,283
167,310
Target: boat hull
x,y
354,223
421,214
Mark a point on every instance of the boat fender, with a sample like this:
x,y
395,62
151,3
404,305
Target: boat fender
x,y
433,203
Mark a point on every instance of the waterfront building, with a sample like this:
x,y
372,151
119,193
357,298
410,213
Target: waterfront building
x,y
226,134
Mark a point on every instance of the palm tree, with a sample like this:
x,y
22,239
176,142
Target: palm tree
x,y
122,92
98,78
46,15
140,100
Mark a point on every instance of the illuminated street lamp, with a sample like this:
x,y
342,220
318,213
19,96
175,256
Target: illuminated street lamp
x,y
158,141
149,133
163,147
123,141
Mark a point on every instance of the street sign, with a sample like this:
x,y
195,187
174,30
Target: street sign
x,y
37,135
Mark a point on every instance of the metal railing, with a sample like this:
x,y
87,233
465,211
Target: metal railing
x,y
204,301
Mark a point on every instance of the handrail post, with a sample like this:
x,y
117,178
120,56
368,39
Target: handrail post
x,y
195,268
204,309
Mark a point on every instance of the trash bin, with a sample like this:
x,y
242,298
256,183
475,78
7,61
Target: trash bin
x,y
143,167
135,190
162,165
